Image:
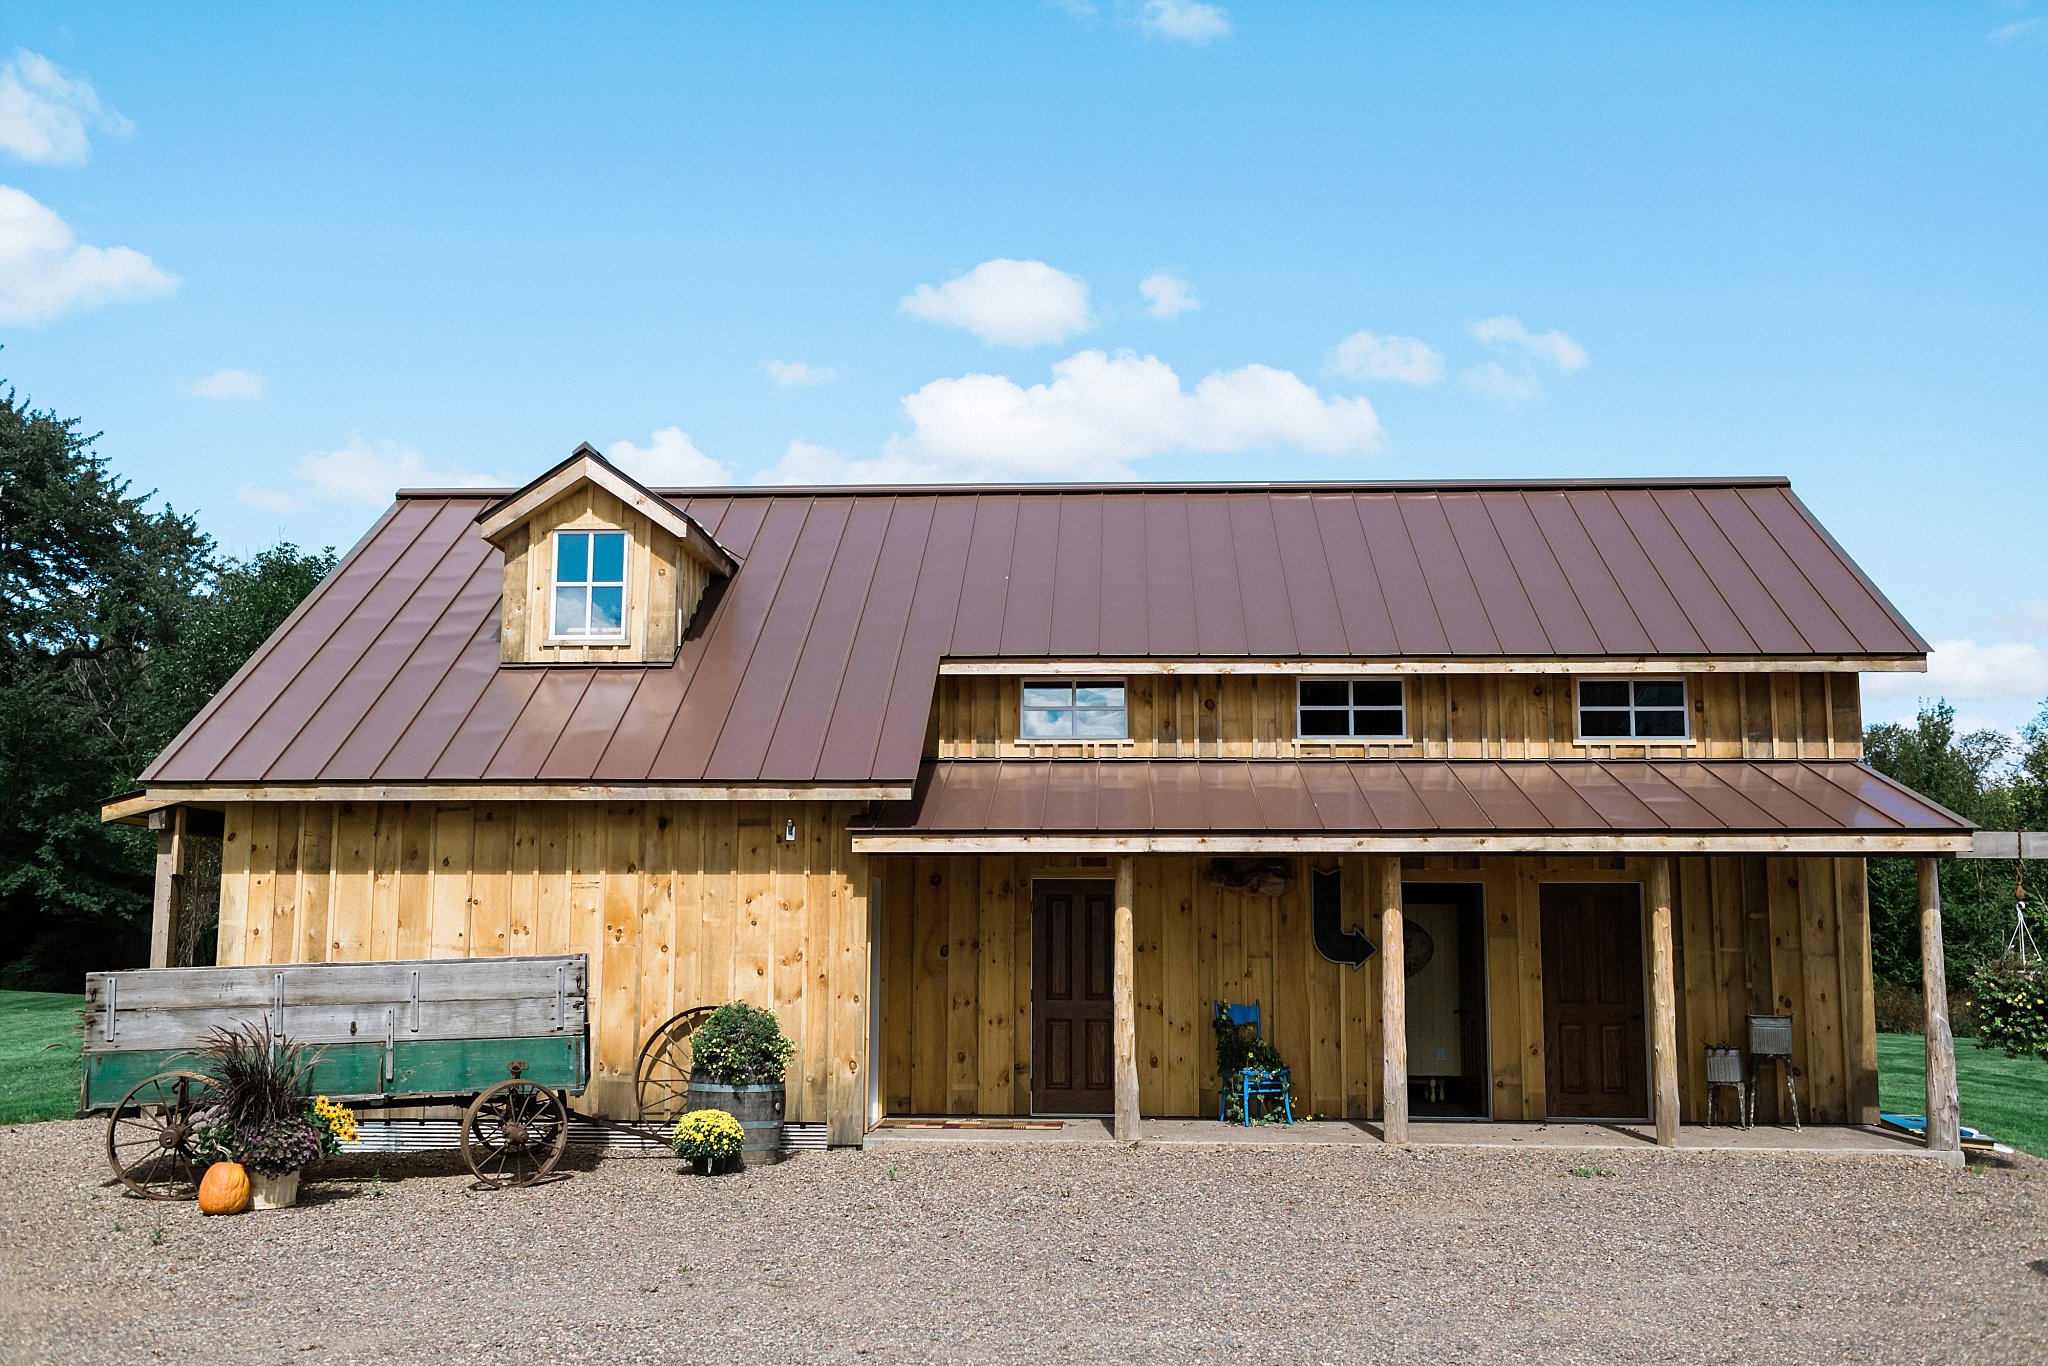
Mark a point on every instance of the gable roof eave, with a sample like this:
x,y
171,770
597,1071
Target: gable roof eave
x,y
586,464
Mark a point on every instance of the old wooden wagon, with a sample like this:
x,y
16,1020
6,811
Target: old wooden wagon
x,y
507,1038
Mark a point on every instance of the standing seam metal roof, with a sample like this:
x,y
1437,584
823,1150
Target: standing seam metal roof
x,y
819,660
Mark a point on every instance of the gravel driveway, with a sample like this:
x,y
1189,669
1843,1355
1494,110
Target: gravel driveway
x,y
1012,1253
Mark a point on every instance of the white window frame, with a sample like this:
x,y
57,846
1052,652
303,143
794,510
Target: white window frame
x,y
1351,709
1073,685
1579,710
555,585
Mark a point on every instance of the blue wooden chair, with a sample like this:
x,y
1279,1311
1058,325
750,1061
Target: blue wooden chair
x,y
1269,1082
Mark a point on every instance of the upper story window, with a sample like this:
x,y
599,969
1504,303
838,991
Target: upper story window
x,y
1087,709
1352,708
1632,709
590,586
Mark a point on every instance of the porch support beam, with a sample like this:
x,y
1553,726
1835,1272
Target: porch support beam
x,y
168,903
1125,1019
1386,884
1663,1005
1944,1109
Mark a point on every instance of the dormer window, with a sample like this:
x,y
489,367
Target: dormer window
x,y
590,586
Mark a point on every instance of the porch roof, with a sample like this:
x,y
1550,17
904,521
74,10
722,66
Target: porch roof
x,y
1407,805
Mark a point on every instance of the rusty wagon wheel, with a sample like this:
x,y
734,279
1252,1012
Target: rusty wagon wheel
x,y
661,1081
514,1133
149,1135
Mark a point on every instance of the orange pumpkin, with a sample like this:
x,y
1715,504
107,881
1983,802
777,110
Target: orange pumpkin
x,y
224,1189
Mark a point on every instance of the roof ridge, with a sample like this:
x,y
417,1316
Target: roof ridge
x,y
1188,486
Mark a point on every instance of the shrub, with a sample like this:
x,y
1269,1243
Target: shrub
x,y
2012,1008
713,1135
741,1045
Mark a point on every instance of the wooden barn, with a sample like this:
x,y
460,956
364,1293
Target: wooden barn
x,y
1502,800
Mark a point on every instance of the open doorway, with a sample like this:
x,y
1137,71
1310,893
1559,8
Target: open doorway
x,y
1448,1066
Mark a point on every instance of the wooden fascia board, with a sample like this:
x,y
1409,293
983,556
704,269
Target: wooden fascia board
x,y
2008,844
215,794
1844,844
551,486
1351,668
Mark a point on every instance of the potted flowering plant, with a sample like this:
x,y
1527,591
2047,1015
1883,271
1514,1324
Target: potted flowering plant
x,y
711,1139
260,1115
737,1059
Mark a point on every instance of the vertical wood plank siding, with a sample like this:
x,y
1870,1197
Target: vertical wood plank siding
x,y
1198,943
1459,716
678,904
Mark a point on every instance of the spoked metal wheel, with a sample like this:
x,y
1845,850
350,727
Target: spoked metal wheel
x,y
662,1079
149,1136
514,1133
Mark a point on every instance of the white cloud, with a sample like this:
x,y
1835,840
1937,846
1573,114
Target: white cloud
x,y
1168,295
362,474
227,385
1497,381
1184,21
45,272
1972,671
45,112
268,500
669,460
2024,32
797,374
1553,348
1100,412
1374,355
1527,353
1014,303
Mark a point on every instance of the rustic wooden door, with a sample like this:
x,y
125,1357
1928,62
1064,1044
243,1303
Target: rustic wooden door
x,y
1072,928
1594,1036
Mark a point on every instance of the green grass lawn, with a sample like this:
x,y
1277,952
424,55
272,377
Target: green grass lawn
x,y
39,1042
2005,1097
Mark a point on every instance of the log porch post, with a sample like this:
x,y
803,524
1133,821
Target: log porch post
x,y
1944,1110
1386,884
1663,1006
168,901
1125,1018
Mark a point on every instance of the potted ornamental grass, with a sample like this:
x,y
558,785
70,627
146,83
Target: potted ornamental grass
x,y
737,1058
261,1119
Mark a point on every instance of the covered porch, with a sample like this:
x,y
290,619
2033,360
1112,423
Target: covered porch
x,y
1565,976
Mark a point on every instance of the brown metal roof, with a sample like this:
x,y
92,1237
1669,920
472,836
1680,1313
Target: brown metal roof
x,y
818,661
1410,796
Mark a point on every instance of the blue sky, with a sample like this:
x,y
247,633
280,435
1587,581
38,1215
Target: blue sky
x,y
288,257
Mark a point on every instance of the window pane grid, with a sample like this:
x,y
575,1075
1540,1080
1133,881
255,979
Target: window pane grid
x,y
1085,710
590,585
1633,709
1352,709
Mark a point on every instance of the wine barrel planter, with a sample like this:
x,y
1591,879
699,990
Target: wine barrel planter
x,y
757,1108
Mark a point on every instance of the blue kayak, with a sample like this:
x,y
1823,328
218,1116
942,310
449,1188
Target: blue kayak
x,y
1916,1125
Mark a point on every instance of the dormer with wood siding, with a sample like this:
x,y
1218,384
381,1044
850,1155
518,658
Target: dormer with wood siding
x,y
598,569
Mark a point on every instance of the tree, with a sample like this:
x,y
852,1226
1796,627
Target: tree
x,y
1968,774
119,624
223,625
91,580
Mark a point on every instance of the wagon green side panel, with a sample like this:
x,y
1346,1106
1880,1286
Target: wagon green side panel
x,y
355,1071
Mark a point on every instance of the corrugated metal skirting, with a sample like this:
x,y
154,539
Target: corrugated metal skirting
x,y
614,1140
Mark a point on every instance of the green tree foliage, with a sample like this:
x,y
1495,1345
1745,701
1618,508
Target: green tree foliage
x,y
116,623
1981,776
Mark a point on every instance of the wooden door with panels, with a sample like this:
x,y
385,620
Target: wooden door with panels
x,y
1072,1007
1595,1036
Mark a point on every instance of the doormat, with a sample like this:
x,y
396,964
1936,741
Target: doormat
x,y
970,1124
